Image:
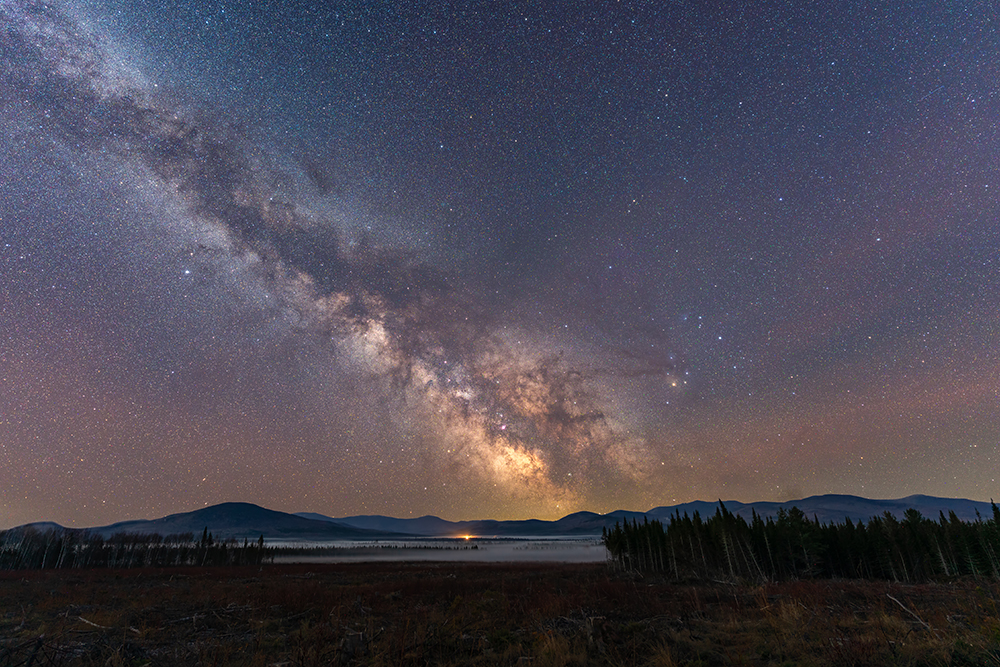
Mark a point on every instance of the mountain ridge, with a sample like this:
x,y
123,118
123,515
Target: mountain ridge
x,y
227,520
826,508
246,520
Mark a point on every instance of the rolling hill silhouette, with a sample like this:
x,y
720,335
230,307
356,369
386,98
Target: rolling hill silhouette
x,y
246,520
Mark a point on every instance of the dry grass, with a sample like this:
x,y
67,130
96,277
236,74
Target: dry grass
x,y
482,614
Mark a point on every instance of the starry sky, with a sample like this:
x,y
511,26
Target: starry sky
x,y
495,259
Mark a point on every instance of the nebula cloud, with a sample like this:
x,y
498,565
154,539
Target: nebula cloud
x,y
488,263
530,422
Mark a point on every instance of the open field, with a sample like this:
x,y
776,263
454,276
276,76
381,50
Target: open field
x,y
482,614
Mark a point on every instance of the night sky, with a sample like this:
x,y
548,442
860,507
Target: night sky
x,y
495,259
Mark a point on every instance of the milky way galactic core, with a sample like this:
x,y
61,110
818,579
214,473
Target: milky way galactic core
x,y
494,262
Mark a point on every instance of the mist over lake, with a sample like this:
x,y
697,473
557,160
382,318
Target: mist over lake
x,y
486,550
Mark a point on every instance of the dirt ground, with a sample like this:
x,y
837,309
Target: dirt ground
x,y
482,614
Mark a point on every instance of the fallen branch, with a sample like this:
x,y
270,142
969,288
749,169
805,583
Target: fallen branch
x,y
194,618
105,627
914,615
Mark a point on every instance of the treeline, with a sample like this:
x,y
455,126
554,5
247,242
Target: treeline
x,y
791,546
31,549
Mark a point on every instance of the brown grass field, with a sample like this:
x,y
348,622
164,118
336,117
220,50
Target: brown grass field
x,y
482,614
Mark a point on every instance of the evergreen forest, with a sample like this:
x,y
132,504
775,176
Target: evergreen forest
x,y
791,546
31,549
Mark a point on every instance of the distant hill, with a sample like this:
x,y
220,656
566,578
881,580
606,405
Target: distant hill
x,y
237,520
432,526
836,507
45,526
245,520
827,508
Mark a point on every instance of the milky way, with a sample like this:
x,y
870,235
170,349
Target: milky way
x,y
494,264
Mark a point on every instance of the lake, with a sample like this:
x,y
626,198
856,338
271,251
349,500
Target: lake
x,y
473,549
